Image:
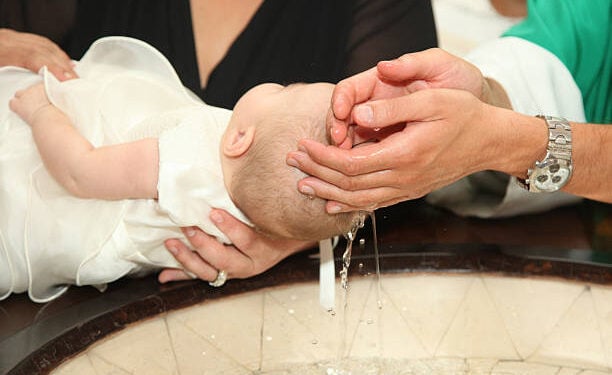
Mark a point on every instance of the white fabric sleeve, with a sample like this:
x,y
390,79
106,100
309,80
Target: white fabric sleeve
x,y
536,82
190,180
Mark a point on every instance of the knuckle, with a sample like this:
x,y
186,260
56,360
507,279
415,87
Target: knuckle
x,y
183,256
405,57
351,184
363,201
348,184
223,264
350,166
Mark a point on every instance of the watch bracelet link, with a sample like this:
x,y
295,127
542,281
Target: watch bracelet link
x,y
559,137
559,149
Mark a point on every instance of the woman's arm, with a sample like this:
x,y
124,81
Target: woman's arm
x,y
32,52
128,170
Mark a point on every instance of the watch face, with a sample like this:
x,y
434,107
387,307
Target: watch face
x,y
550,175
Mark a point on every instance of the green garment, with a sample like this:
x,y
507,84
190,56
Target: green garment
x,y
579,33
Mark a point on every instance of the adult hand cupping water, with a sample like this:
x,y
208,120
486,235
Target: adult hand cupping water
x,y
32,52
446,137
392,80
443,134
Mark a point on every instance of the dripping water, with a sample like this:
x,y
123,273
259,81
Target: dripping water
x,y
346,256
376,259
346,262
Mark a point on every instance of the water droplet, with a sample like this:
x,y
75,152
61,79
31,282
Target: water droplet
x,y
362,241
268,338
291,311
212,337
370,321
203,353
314,342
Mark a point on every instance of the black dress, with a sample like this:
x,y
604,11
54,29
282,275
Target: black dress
x,y
286,41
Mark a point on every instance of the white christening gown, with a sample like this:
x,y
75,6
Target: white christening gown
x,y
127,90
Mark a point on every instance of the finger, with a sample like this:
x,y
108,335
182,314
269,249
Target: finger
x,y
223,257
381,113
346,95
337,130
340,180
425,65
337,207
47,53
61,69
62,61
191,260
302,161
416,71
356,161
172,274
239,234
368,199
403,109
351,91
62,73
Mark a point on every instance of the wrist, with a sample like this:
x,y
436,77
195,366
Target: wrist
x,y
493,93
40,114
521,140
554,171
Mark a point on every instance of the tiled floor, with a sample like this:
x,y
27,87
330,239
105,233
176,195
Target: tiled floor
x,y
429,324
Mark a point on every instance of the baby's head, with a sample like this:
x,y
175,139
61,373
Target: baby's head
x,y
267,123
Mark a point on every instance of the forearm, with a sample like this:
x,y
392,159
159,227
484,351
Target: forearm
x,y
592,160
61,147
522,140
122,171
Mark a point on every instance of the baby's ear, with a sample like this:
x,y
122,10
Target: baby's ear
x,y
237,141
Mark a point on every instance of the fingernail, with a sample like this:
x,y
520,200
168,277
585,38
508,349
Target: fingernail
x,y
292,162
301,147
307,190
364,114
216,217
190,232
173,250
334,208
67,75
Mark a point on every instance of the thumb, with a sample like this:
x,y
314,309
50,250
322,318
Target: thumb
x,y
414,107
381,113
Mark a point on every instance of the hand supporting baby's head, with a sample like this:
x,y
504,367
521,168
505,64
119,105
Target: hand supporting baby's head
x,y
268,125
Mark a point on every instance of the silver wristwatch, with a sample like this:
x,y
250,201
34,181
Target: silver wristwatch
x,y
555,170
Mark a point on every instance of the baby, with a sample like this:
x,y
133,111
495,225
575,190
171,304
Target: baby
x,y
130,156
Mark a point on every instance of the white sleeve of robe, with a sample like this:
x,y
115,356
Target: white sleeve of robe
x,y
536,82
